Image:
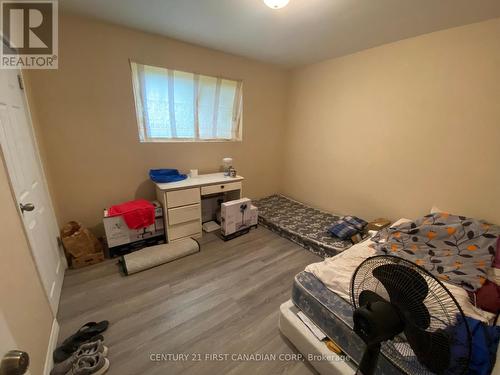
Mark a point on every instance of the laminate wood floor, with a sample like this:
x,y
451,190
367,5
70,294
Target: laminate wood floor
x,y
223,300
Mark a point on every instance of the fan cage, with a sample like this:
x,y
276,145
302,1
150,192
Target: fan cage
x,y
443,308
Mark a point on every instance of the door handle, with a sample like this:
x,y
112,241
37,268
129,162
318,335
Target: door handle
x,y
26,207
14,362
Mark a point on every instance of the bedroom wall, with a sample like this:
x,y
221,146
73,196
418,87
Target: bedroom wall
x,y
84,116
393,130
24,304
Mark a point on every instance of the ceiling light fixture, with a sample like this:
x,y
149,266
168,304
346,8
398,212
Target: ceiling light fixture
x,y
276,4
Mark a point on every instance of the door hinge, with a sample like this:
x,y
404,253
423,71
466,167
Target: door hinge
x,y
20,81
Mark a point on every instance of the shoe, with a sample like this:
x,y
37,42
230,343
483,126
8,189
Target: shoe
x,y
88,349
90,365
87,332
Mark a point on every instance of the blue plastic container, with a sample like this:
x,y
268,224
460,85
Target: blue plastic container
x,y
162,176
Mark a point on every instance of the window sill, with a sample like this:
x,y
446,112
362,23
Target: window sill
x,y
191,140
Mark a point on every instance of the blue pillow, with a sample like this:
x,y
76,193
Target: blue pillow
x,y
356,222
343,230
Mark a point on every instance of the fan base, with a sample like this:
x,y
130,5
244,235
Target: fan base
x,y
368,363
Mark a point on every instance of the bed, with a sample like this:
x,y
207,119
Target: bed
x,y
304,225
321,292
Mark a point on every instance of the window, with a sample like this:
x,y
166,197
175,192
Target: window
x,y
172,105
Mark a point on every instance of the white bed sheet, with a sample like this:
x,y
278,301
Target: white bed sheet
x,y
336,273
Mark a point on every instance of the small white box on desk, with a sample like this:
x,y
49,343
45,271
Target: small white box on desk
x,y
235,215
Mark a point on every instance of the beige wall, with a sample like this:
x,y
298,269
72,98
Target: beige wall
x,y
23,303
392,130
85,118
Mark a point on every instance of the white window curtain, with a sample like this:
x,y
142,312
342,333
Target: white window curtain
x,y
172,105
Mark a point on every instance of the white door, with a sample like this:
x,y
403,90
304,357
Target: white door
x,y
28,182
7,343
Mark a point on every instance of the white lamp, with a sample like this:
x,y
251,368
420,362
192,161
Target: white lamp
x,y
276,4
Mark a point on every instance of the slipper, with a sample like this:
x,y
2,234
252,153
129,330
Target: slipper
x,y
61,353
87,332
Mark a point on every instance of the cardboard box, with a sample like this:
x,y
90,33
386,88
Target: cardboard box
x,y
378,224
81,247
235,215
78,240
86,260
118,233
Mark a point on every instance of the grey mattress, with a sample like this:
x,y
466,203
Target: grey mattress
x,y
301,224
333,315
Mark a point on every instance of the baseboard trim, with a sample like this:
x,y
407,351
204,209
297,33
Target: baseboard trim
x,y
49,360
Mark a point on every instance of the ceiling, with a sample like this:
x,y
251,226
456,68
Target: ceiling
x,y
306,31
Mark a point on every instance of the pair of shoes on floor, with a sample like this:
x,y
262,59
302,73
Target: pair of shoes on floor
x,y
88,332
88,359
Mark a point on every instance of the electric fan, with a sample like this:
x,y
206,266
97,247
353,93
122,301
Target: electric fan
x,y
403,310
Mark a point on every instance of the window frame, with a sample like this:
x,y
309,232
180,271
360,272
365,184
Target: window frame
x,y
138,105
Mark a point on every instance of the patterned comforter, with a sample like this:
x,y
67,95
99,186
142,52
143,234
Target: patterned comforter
x,y
456,249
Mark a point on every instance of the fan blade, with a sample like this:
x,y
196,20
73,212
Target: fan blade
x,y
407,289
431,348
402,280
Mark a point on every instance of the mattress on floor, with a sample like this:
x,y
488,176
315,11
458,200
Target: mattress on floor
x,y
333,315
306,226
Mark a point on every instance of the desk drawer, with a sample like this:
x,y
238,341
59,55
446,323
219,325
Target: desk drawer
x,y
215,189
183,214
183,230
183,197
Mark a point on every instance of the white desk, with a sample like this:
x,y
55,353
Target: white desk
x,y
181,201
